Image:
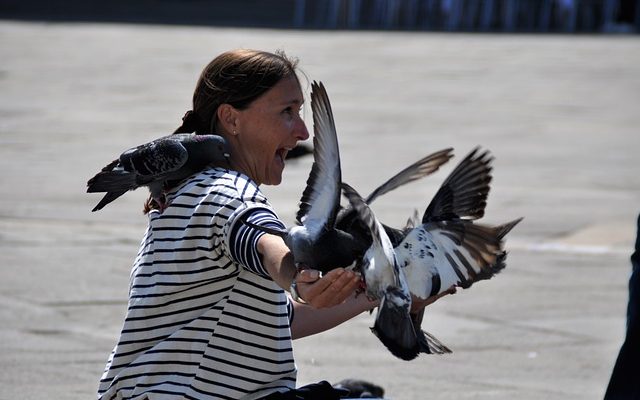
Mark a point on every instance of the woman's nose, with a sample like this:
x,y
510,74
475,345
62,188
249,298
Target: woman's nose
x,y
301,131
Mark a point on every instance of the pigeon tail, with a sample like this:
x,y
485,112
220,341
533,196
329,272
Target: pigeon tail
x,y
394,328
501,257
507,227
108,198
115,183
427,342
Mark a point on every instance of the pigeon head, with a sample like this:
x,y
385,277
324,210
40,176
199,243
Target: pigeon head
x,y
212,147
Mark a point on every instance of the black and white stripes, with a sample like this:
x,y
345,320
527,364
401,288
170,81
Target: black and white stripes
x,y
204,319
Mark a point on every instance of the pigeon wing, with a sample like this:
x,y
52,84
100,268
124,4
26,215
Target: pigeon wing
x,y
157,158
417,170
97,184
321,197
464,193
381,244
347,220
442,254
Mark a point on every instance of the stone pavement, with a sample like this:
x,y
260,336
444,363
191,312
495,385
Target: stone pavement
x,y
560,114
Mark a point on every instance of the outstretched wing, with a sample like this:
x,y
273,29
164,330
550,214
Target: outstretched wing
x,y
321,197
417,170
464,193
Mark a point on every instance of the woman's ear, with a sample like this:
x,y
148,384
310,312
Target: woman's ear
x,y
228,118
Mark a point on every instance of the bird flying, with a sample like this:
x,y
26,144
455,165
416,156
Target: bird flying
x,y
167,159
446,250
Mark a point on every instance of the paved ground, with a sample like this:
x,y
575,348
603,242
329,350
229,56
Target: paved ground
x,y
560,113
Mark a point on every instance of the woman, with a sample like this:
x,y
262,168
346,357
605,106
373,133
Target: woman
x,y
207,315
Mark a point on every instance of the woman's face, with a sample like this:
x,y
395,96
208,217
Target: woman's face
x,y
266,130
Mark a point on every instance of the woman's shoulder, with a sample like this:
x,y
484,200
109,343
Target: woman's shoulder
x,y
222,184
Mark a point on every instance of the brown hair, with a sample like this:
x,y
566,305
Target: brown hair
x,y
236,77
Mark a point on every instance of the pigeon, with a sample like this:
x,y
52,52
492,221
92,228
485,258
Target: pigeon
x,y
154,164
317,241
360,389
446,250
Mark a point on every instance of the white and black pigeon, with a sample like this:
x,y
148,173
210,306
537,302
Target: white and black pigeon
x,y
318,241
445,251
386,281
167,159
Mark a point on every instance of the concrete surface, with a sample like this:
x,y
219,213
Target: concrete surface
x,y
560,114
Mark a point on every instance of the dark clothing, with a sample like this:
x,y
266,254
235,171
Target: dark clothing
x,y
624,383
317,391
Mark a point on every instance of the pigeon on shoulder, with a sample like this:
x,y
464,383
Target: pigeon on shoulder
x,y
154,164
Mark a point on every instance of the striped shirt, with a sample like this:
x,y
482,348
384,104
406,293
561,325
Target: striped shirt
x,y
204,320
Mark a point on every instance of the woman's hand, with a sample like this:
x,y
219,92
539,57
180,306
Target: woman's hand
x,y
417,304
329,290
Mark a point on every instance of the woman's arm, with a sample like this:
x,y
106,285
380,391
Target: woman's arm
x,y
309,321
331,299
330,290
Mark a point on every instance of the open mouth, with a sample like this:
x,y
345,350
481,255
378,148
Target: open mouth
x,y
282,154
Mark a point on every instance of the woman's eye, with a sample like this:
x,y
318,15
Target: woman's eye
x,y
292,112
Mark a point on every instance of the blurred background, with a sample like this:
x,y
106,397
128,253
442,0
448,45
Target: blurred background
x,y
551,88
427,15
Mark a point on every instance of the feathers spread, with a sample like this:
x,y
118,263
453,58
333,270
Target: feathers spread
x,y
168,159
348,219
446,250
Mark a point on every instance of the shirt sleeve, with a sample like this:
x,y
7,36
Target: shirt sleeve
x,y
243,239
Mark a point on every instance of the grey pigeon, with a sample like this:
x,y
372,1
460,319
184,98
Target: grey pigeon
x,y
168,159
318,241
446,250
